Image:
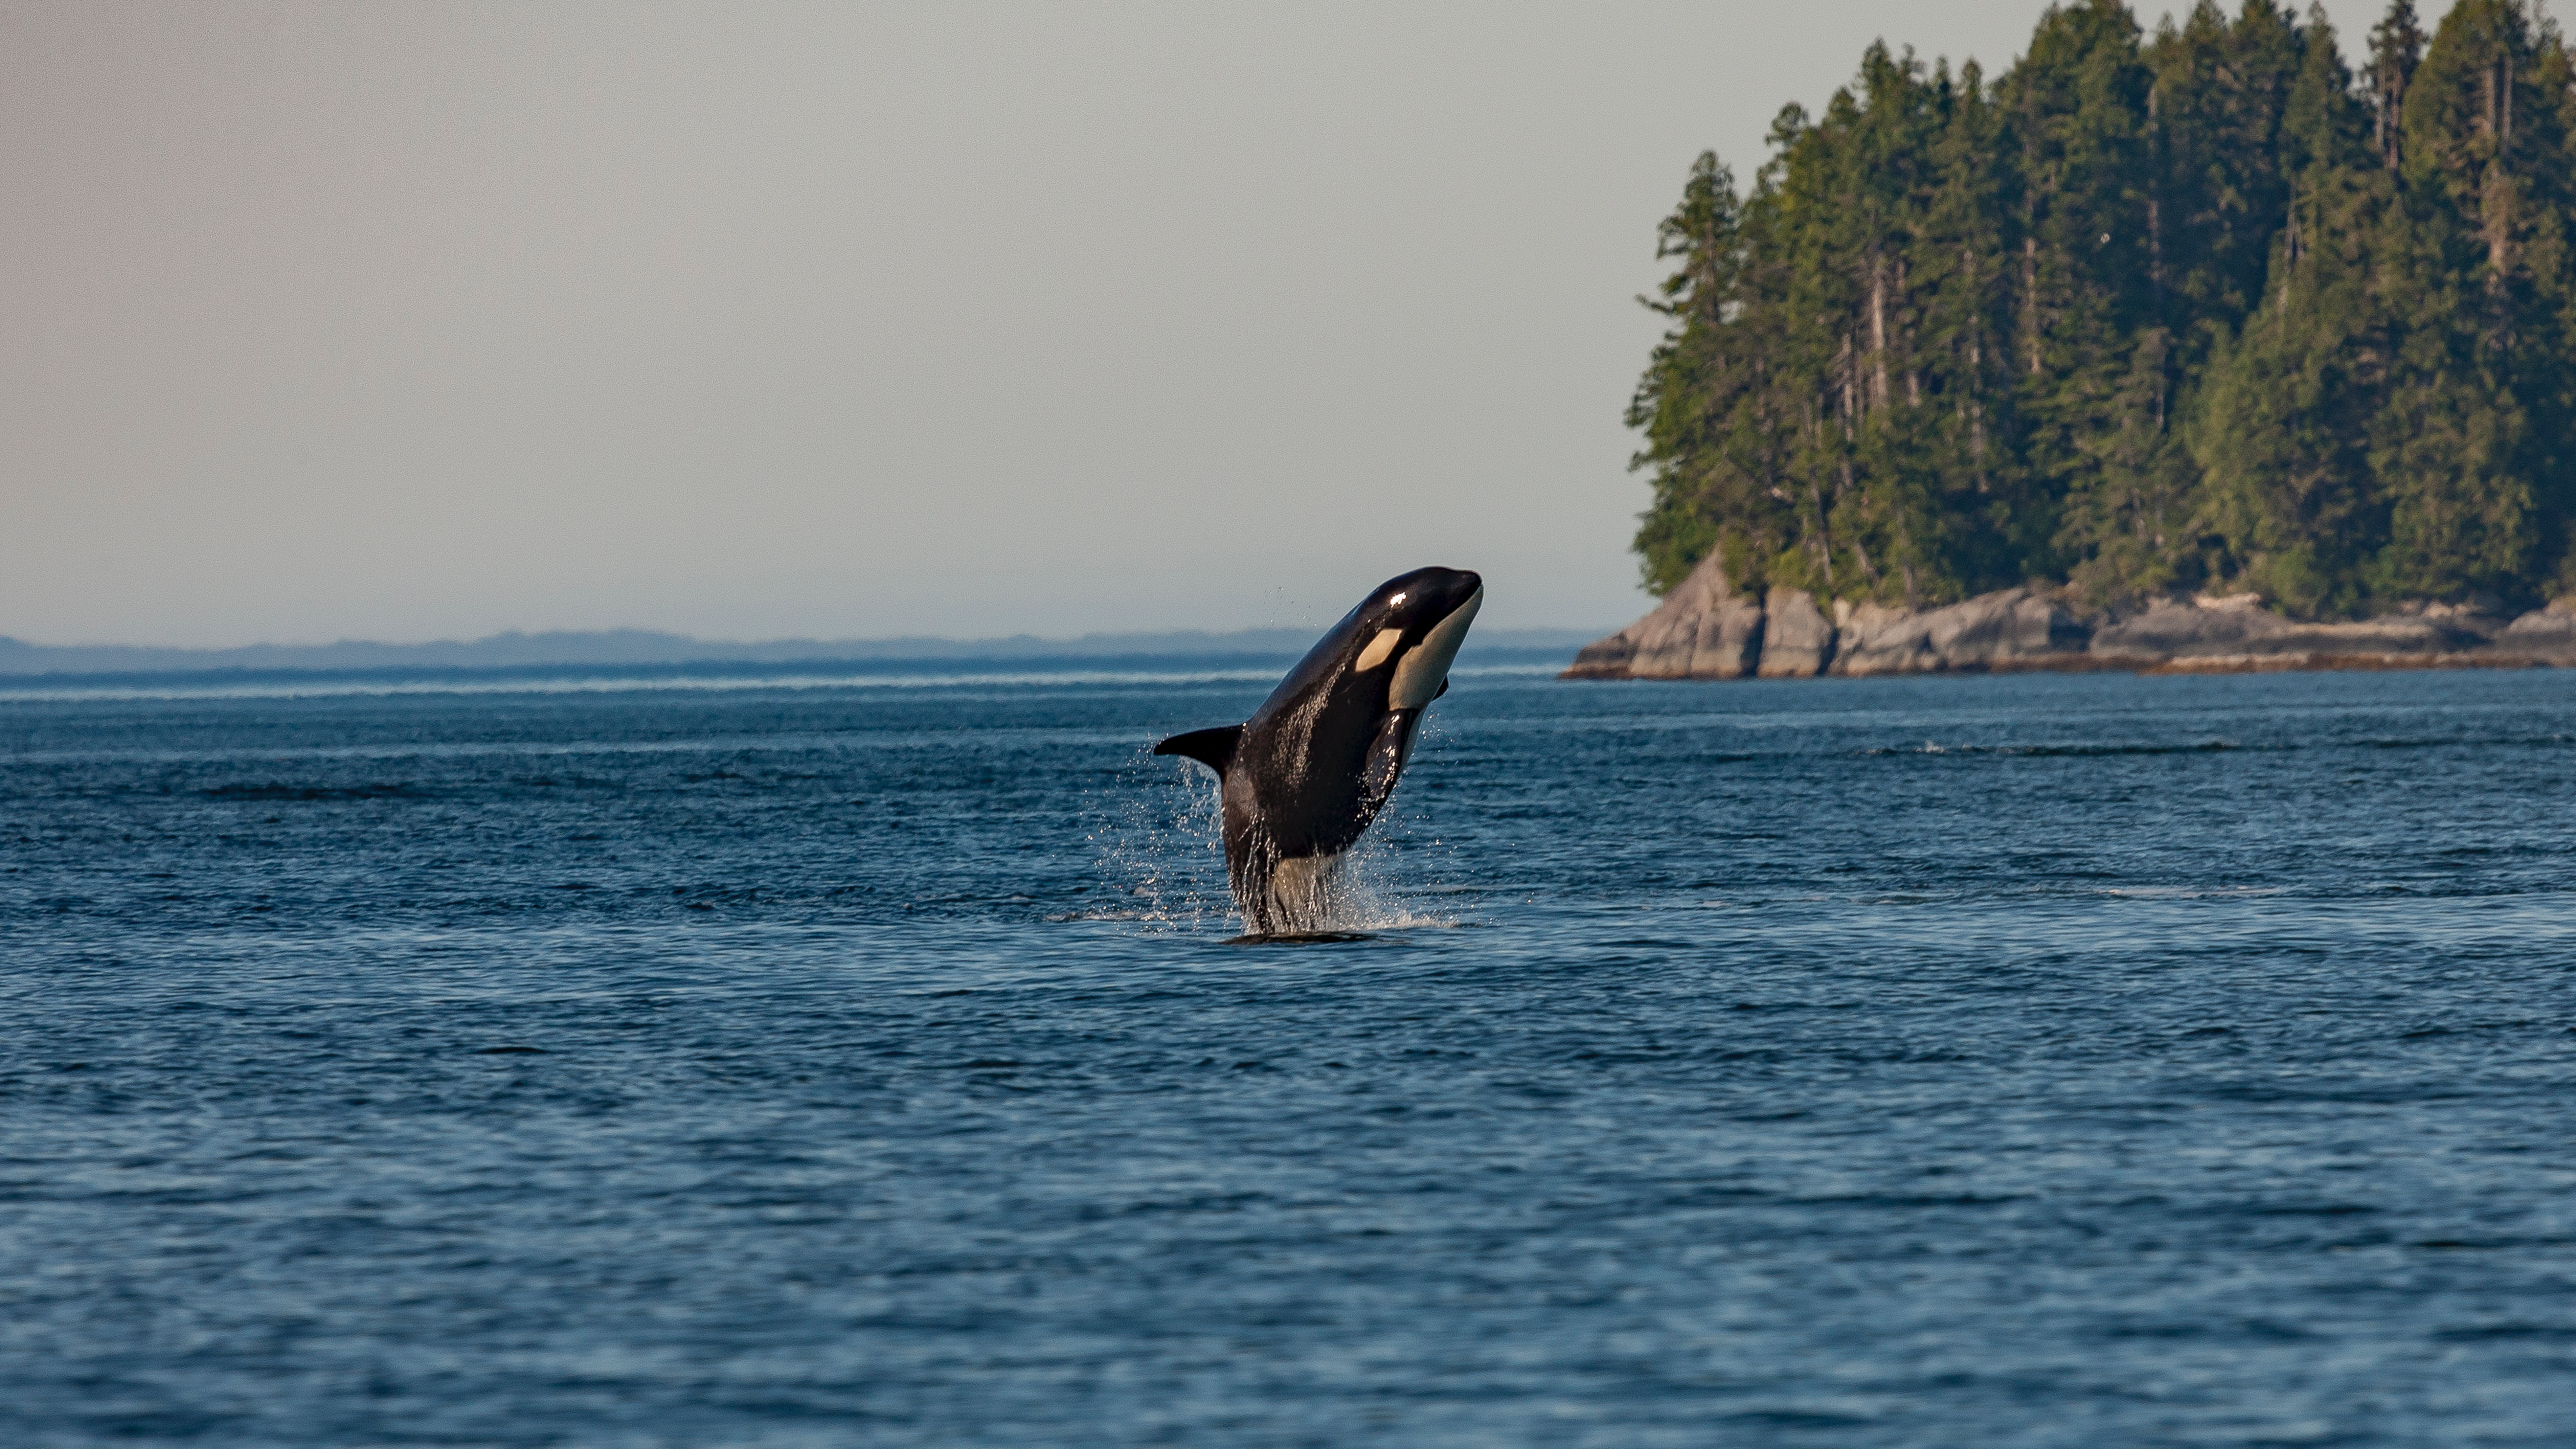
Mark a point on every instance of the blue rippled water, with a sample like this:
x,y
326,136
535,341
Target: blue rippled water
x,y
2003,1061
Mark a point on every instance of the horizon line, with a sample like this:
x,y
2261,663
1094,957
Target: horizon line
x,y
634,632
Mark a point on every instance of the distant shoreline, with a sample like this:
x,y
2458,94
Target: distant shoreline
x,y
647,654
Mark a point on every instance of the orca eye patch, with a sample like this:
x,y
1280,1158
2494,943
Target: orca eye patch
x,y
1378,650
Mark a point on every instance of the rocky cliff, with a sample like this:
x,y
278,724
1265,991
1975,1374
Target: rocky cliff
x,y
1705,629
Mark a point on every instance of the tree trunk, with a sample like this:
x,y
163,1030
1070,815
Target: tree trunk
x,y
2030,296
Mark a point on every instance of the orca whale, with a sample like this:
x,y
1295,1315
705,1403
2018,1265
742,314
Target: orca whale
x,y
1313,766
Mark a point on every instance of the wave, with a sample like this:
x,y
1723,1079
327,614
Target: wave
x,y
2206,747
2049,751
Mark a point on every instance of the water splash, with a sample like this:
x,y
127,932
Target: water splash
x,y
1393,859
1366,893
1161,845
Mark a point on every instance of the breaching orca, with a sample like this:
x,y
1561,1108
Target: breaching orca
x,y
1307,773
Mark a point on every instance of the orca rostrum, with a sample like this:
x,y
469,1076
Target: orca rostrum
x,y
1313,766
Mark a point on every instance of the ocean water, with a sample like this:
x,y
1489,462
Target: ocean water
x,y
1997,1061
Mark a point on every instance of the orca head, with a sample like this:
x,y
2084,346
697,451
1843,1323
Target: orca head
x,y
1411,627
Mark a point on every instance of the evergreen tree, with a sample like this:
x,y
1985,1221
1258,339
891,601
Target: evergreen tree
x,y
2396,48
1682,403
2472,440
2288,492
2222,176
2096,435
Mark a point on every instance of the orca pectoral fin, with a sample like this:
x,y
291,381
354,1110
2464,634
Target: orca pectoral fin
x,y
1212,748
1386,756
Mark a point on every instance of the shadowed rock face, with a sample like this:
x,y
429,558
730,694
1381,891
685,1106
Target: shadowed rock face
x,y
2546,636
1702,630
2012,629
1797,639
2182,635
1705,629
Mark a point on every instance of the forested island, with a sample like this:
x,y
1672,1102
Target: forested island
x,y
2201,312
2183,344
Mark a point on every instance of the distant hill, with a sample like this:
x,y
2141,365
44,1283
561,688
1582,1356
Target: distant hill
x,y
519,651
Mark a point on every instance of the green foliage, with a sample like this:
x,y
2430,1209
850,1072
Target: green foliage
x,y
2142,314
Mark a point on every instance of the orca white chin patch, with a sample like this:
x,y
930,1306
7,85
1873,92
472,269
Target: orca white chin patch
x,y
1426,666
1378,649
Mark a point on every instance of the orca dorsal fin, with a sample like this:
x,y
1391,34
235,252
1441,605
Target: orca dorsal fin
x,y
1212,748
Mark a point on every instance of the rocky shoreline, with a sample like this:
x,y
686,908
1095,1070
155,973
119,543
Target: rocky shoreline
x,y
1705,629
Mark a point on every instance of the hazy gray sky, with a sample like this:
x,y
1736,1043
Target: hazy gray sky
x,y
415,321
